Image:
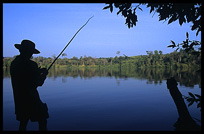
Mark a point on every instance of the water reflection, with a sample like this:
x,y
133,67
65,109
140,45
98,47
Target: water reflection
x,y
155,76
82,104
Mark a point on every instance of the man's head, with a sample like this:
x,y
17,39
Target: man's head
x,y
27,48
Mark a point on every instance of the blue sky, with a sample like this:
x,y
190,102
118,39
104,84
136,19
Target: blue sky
x,y
51,26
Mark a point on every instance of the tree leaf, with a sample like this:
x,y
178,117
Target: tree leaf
x,y
173,42
193,27
191,95
182,19
189,99
198,105
198,96
177,49
111,8
152,9
161,17
199,29
173,18
171,46
187,35
116,5
119,12
106,7
185,44
190,103
124,13
140,8
128,5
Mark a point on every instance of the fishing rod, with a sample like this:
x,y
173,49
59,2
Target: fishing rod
x,y
68,43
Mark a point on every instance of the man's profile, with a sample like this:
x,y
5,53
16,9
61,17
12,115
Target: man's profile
x,y
26,76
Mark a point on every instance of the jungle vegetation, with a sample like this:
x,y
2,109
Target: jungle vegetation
x,y
153,59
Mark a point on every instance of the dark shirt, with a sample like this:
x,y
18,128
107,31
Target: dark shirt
x,y
25,78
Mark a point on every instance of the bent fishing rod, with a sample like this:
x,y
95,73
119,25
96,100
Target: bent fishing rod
x,y
68,43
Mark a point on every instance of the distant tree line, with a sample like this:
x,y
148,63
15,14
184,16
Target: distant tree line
x,y
155,58
154,75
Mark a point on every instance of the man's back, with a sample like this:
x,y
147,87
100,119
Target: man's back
x,y
24,77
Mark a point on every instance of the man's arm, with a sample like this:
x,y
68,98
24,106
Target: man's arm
x,y
42,76
37,74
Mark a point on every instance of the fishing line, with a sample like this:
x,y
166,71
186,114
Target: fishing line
x,y
68,43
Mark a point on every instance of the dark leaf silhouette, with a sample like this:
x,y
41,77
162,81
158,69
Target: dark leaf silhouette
x,y
187,35
185,44
199,97
192,98
152,9
193,27
172,46
173,42
116,5
199,29
191,95
124,13
173,18
140,8
106,7
111,8
189,99
119,12
190,103
182,20
199,105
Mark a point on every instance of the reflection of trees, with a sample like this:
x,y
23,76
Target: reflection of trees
x,y
187,78
191,78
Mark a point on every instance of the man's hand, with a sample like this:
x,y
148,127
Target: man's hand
x,y
44,71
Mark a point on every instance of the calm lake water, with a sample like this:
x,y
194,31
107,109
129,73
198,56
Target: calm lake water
x,y
104,99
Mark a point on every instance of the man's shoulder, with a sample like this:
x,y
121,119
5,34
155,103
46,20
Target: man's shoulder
x,y
22,62
16,60
33,63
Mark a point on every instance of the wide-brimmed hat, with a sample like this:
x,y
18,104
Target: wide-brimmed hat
x,y
27,45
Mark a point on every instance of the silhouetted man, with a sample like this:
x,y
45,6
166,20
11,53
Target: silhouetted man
x,y
25,78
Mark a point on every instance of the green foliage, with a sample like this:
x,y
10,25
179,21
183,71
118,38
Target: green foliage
x,y
126,10
154,59
188,45
153,75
